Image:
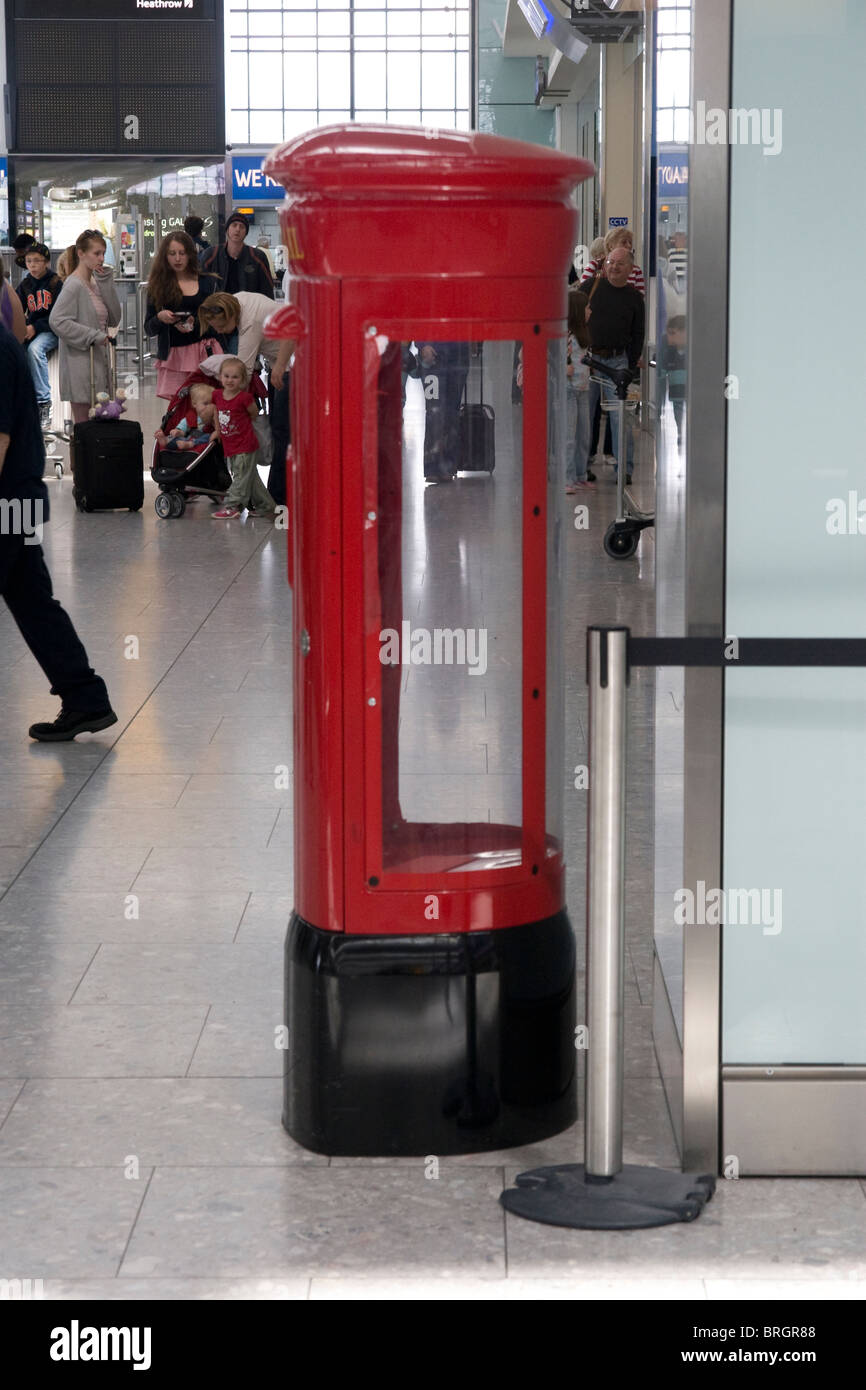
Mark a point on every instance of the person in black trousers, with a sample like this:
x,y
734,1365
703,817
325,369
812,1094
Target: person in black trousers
x,y
25,583
443,369
278,412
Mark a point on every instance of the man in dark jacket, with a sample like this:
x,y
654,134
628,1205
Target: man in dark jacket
x,y
194,227
25,583
615,319
238,266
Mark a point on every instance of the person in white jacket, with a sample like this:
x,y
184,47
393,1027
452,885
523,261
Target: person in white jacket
x,y
243,314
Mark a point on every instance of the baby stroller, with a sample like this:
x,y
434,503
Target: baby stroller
x,y
188,473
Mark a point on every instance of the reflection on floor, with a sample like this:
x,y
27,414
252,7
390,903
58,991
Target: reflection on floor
x,y
145,876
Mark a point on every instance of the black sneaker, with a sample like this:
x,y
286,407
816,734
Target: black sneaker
x,y
628,477
590,477
71,722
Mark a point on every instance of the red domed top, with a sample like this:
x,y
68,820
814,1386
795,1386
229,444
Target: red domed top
x,y
344,161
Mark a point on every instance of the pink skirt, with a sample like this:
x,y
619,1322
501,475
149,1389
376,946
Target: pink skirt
x,y
180,363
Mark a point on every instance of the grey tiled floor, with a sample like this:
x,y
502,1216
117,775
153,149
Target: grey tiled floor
x,y
145,884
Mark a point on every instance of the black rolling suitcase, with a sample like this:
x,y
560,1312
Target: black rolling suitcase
x,y
107,458
477,426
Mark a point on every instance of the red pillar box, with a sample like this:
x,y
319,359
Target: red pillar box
x,y
429,959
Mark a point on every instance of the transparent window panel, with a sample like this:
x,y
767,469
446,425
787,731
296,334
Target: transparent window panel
x,y
449,602
794,956
668,767
555,704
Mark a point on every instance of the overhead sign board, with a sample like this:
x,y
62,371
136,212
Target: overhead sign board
x,y
249,182
114,9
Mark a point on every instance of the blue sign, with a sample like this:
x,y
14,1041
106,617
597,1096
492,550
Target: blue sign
x,y
617,221
673,173
250,184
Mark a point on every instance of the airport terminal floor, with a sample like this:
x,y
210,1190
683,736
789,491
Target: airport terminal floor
x,y
145,889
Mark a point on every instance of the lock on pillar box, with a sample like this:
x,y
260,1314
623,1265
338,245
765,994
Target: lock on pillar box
x,y
430,990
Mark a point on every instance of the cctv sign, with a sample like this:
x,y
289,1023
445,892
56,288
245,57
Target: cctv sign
x,y
250,184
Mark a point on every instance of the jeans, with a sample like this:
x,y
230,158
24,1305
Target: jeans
x,y
596,417
577,434
38,349
47,629
608,391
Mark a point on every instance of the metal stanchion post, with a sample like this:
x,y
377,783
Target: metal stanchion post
x,y
601,1193
605,906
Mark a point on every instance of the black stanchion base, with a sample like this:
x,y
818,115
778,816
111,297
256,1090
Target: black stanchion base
x,y
636,1197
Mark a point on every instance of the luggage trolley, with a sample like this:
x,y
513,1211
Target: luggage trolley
x,y
622,536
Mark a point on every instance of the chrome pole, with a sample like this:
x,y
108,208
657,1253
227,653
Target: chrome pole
x,y
607,649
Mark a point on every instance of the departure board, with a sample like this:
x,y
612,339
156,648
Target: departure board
x,y
127,78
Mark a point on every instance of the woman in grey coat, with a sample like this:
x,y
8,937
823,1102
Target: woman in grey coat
x,y
85,309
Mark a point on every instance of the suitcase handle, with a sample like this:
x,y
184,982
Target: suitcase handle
x,y
111,353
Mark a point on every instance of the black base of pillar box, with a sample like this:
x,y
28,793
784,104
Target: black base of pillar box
x,y
427,1045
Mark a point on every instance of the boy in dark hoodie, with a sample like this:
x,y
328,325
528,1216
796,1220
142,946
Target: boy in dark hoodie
x,y
38,292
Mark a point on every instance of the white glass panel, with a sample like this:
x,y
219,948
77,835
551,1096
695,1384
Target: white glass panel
x,y
299,23
404,80
265,22
334,79
300,81
266,127
673,77
795,741
297,122
461,71
333,22
370,23
237,85
437,22
266,80
665,126
438,78
369,80
681,126
238,127
333,117
404,22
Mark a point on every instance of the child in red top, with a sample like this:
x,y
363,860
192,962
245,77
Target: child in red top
x,y
235,412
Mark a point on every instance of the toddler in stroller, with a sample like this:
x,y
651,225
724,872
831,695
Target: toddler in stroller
x,y
188,462
197,427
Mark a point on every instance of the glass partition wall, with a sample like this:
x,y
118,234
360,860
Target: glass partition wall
x,y
762,1039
